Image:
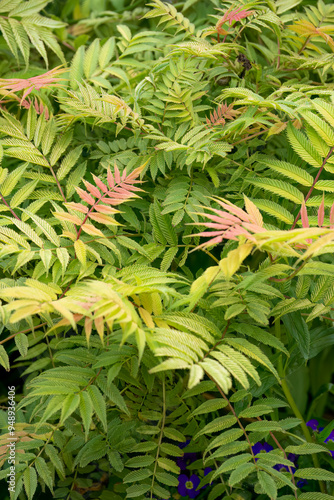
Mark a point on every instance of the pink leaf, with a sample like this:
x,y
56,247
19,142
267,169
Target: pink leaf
x,y
85,196
100,184
106,210
117,174
136,173
303,213
92,189
331,217
321,213
235,210
110,179
237,15
224,215
78,206
214,224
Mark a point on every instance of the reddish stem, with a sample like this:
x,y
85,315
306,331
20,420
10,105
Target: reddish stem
x,y
313,184
12,211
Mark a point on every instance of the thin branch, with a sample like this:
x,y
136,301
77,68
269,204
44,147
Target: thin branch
x,y
219,341
12,211
234,413
313,184
161,434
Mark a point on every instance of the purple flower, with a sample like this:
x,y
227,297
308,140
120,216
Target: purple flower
x,y
331,452
293,458
284,468
207,471
260,448
187,458
187,486
330,437
183,445
301,483
313,424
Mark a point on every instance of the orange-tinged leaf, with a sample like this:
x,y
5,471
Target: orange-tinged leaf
x,y
68,217
110,179
136,173
77,206
100,184
88,328
99,325
91,230
68,234
331,217
104,219
92,189
253,211
117,174
85,196
304,217
321,212
80,252
106,210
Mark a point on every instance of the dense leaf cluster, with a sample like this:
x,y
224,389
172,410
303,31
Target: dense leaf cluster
x,y
166,248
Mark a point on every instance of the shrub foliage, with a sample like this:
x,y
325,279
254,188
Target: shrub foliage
x,y
166,248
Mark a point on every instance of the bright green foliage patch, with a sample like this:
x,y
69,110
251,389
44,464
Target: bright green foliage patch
x,y
166,248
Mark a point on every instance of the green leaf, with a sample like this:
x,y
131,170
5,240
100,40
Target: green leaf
x,y
174,434
117,398
216,425
99,404
44,472
264,426
86,411
296,327
4,359
55,458
70,404
240,473
140,461
168,479
268,484
137,475
224,438
317,474
218,373
255,411
23,194
281,188
306,449
209,406
232,463
45,227
80,252
167,464
303,147
22,343
30,482
137,490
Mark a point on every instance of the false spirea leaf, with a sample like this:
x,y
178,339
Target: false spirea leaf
x,y
100,198
221,114
230,16
232,222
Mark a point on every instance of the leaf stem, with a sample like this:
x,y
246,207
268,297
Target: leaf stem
x,y
294,406
313,184
235,415
161,433
12,211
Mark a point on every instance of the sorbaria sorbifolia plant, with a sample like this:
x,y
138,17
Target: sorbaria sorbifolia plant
x,y
166,249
